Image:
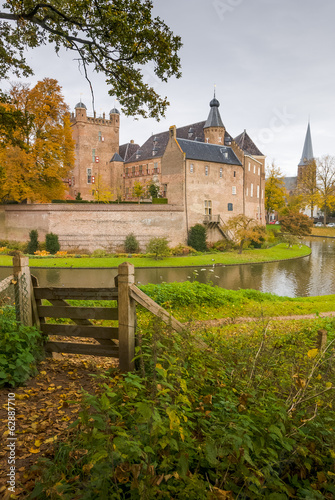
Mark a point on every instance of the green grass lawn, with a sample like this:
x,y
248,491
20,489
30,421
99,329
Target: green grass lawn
x,y
277,252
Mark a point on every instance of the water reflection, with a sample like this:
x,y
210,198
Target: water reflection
x,y
312,275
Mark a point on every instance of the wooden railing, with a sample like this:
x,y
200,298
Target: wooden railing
x,y
211,218
115,341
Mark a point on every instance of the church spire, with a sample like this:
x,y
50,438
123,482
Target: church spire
x,y
307,152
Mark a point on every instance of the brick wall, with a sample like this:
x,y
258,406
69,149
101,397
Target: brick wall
x,y
91,227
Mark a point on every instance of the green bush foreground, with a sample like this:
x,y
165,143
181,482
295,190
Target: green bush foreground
x,y
21,347
249,417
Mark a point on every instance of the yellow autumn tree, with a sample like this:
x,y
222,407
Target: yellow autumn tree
x,y
37,163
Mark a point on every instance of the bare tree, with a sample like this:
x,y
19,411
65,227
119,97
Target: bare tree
x,y
326,183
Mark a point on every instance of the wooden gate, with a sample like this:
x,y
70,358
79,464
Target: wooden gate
x,y
116,341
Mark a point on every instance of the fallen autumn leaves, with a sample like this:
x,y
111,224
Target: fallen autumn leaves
x,y
43,414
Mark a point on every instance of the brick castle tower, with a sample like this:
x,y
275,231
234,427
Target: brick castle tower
x,y
97,140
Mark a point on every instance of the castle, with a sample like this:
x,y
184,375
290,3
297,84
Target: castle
x,y
200,166
205,175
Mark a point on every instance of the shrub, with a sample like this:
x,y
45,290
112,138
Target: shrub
x,y
153,190
21,347
131,244
159,201
51,243
182,250
78,197
33,242
222,245
158,247
197,238
99,252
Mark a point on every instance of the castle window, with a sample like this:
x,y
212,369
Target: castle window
x,y
133,170
233,190
208,207
155,168
89,176
251,190
254,169
221,172
141,169
230,207
234,173
100,136
93,155
257,191
220,139
249,166
259,170
206,170
191,168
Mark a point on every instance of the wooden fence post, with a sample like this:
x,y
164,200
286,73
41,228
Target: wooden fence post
x,y
126,306
22,290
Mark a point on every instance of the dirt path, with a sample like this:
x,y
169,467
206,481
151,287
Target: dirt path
x,y
231,321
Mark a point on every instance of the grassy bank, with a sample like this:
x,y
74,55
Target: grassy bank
x,y
277,252
323,231
196,301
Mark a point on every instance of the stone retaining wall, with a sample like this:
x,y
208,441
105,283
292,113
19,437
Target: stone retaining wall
x,y
90,227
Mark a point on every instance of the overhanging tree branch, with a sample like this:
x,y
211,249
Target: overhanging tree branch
x,y
117,37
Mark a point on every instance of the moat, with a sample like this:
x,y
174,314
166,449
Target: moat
x,y
308,276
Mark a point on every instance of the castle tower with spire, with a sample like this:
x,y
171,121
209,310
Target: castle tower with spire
x,y
307,153
214,130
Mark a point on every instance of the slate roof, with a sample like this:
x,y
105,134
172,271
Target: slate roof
x,y
307,153
247,145
208,152
193,131
116,157
214,118
127,150
80,105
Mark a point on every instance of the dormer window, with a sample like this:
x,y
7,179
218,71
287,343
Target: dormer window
x,y
190,132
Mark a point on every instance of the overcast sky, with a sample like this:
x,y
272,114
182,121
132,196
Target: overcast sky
x,y
272,62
